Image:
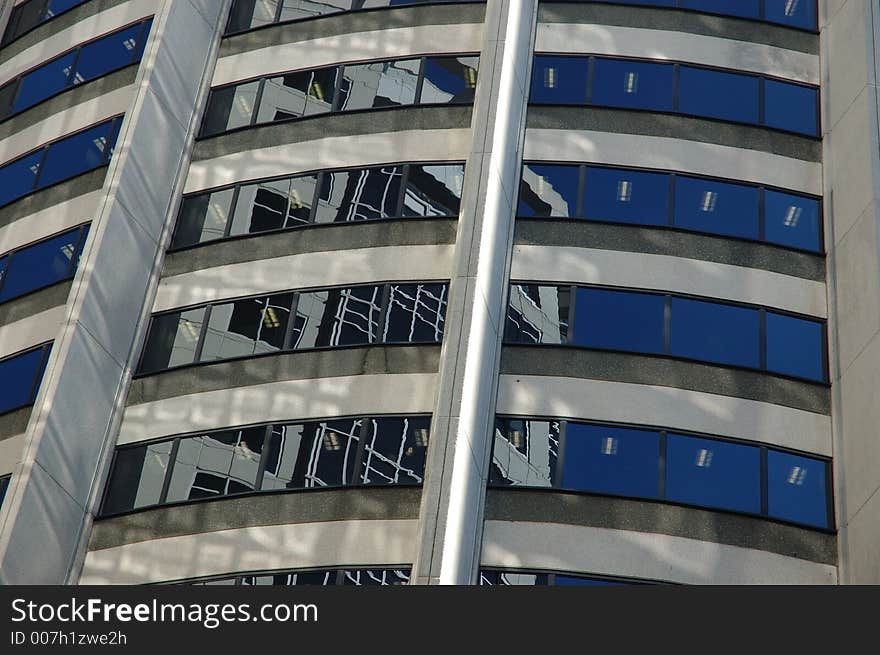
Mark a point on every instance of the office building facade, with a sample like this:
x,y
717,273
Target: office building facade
x,y
423,292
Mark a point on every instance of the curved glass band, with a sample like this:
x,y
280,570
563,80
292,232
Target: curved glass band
x,y
676,88
661,464
29,15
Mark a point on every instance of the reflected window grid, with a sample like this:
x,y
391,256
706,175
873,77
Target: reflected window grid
x,y
311,577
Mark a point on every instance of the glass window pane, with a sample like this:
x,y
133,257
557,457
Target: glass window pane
x,y
217,464
745,8
548,191
320,578
795,347
791,107
619,83
45,81
246,327
230,107
339,317
791,220
4,485
574,581
716,207
538,314
611,460
797,489
17,375
55,7
138,476
297,9
525,453
297,94
559,80
394,451
380,84
513,578
415,313
172,340
626,196
375,578
712,93
312,455
450,79
203,218
40,265
24,17
107,54
7,98
18,178
796,13
433,190
714,332
262,206
77,154
713,473
248,14
313,321
359,195
619,320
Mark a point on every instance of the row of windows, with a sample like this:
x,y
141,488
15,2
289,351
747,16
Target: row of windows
x,y
420,80
393,191
337,453
666,324
251,14
800,14
383,313
82,64
623,195
501,578
320,578
59,160
676,88
41,264
32,13
658,464
20,377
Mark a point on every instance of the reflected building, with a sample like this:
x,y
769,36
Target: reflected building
x,y
385,292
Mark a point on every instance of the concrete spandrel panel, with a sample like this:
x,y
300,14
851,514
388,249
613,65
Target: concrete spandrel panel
x,y
861,564
846,44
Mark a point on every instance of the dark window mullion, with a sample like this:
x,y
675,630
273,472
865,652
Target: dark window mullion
x,y
661,477
232,206
257,100
166,483
264,455
762,339
581,202
77,250
278,9
14,99
363,434
676,76
142,34
5,274
670,202
313,208
423,64
761,93
38,374
337,88
40,167
572,301
667,324
764,481
197,356
556,482
71,76
591,67
384,311
287,344
762,208
401,198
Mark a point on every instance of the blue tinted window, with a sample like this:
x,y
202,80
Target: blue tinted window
x,y
107,54
745,8
716,207
40,265
538,314
791,220
626,196
714,332
796,489
619,320
791,107
619,83
791,12
450,79
77,154
795,346
43,82
719,95
611,460
561,80
17,376
713,473
18,178
55,7
548,191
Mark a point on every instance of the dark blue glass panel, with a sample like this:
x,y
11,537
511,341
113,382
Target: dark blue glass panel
x,y
791,220
791,107
44,82
618,320
3,261
795,346
611,460
795,13
40,265
641,85
571,581
55,7
77,154
714,332
716,207
713,473
107,54
797,489
17,179
548,191
17,376
745,8
449,79
561,80
626,196
715,94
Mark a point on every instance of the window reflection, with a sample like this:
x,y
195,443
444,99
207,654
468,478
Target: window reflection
x,y
797,489
172,340
379,84
449,80
297,94
41,264
32,13
537,314
433,190
247,327
525,453
359,195
549,191
20,377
